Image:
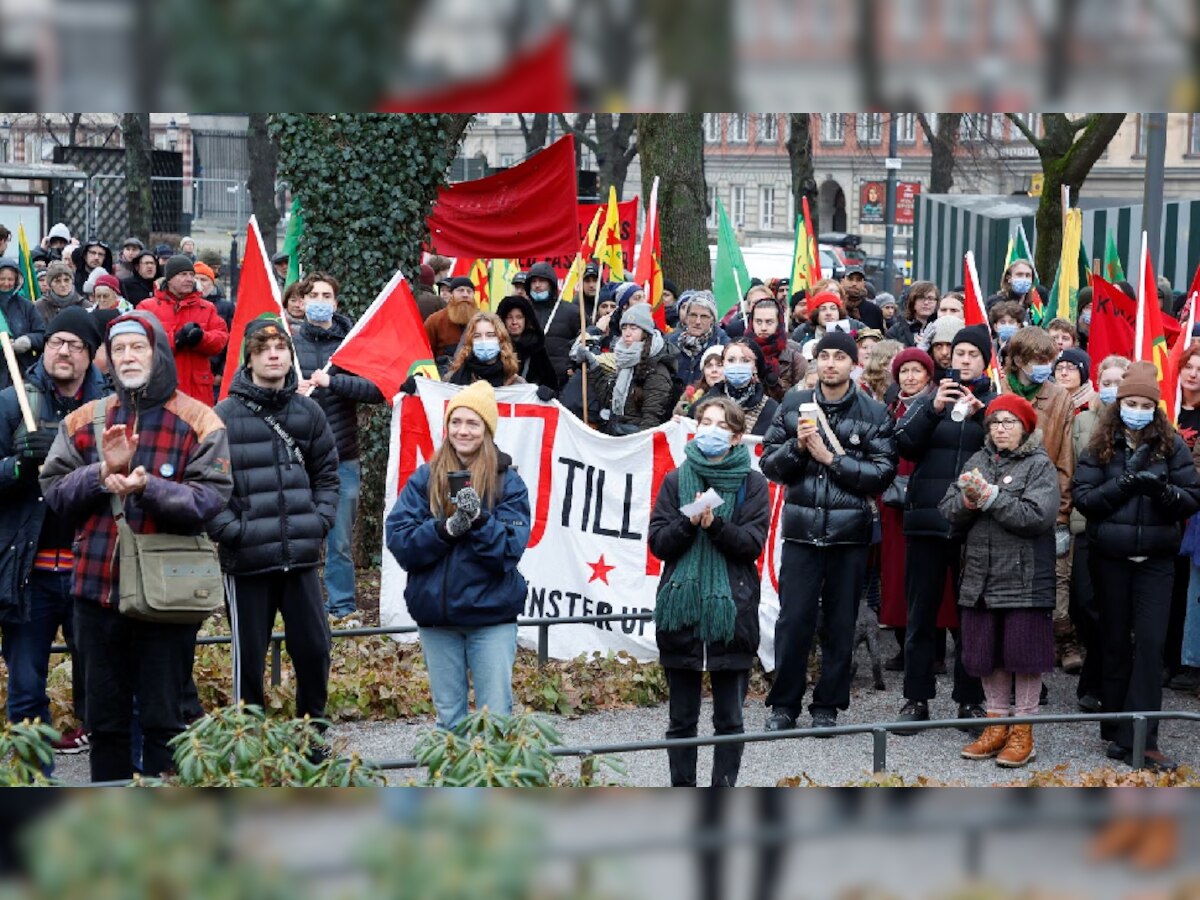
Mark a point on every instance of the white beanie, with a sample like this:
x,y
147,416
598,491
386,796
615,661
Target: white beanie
x,y
90,284
60,231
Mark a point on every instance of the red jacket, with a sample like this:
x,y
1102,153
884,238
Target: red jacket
x,y
191,363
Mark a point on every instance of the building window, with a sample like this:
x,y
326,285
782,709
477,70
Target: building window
x,y
1194,133
766,208
906,128
712,128
768,128
1032,121
1143,122
870,128
711,195
832,128
791,211
738,128
974,127
737,204
506,160
508,119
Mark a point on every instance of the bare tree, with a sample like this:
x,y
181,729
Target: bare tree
x,y
613,144
673,149
135,129
534,131
456,125
263,157
1068,151
800,156
943,144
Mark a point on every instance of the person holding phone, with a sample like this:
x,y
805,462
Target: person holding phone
x,y
459,529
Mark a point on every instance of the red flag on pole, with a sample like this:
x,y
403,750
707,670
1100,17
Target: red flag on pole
x,y
257,295
1111,332
388,342
1150,342
975,312
648,271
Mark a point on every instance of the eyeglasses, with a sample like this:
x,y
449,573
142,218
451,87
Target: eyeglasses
x,y
1005,424
56,344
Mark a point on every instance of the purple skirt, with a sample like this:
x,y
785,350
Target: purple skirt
x,y
1015,640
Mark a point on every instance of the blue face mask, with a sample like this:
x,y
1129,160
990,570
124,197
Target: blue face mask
x,y
738,374
319,311
1108,394
1022,286
1039,373
486,349
712,441
1137,419
540,296
1005,332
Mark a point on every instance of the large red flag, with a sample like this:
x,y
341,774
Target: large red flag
x,y
1150,342
1111,331
528,210
538,80
975,313
648,271
257,295
388,342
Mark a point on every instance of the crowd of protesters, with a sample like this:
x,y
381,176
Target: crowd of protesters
x,y
1039,513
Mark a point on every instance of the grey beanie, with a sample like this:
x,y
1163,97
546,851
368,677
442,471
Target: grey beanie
x,y
639,315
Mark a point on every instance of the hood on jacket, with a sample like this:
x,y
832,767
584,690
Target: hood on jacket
x,y
79,257
545,270
7,262
269,398
163,379
533,336
133,267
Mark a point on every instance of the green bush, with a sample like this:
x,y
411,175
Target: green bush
x,y
25,747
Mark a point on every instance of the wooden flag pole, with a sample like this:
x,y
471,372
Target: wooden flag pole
x,y
14,371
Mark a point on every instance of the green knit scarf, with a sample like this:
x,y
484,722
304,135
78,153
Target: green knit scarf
x,y
699,592
1024,391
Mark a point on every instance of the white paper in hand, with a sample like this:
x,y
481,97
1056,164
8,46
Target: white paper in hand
x,y
710,499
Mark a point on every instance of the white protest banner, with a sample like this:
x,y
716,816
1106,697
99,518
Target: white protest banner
x,y
591,496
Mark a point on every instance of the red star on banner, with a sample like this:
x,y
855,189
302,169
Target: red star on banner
x,y
600,570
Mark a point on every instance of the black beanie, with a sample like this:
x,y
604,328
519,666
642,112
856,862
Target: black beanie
x,y
175,265
977,336
1078,359
461,281
75,320
271,327
837,340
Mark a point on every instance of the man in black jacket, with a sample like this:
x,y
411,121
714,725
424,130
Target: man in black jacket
x,y
285,496
833,461
338,393
940,432
559,321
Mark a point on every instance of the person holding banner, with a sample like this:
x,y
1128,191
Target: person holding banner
x,y
460,528
1135,484
706,612
833,448
20,319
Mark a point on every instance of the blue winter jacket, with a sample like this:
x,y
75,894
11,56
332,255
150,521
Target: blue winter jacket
x,y
468,581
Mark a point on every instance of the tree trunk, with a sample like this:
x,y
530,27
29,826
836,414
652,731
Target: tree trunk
x,y
942,145
135,128
264,160
672,147
613,146
73,121
800,155
535,131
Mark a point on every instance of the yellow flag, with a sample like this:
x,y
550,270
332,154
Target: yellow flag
x,y
500,279
608,242
1067,284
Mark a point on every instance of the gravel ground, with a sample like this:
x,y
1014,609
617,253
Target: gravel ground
x,y
836,761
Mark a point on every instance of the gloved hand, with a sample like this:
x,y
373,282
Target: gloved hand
x,y
410,386
34,446
189,335
1136,461
458,524
22,344
581,354
468,504
1062,541
1143,482
546,394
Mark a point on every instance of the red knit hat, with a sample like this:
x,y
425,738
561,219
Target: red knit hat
x,y
911,354
1018,406
110,282
826,297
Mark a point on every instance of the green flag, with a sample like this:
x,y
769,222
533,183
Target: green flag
x,y
1113,271
1018,248
28,275
291,242
731,278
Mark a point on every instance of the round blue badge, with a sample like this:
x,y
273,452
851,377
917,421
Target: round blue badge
x,y
166,470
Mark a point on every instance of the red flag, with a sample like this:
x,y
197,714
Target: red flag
x,y
257,295
538,80
648,271
975,313
388,342
528,210
1150,343
814,250
1111,332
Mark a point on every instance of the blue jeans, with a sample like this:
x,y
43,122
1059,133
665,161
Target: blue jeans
x,y
27,647
339,560
486,651
1191,625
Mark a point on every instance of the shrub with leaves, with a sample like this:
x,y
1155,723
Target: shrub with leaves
x,y
487,749
25,748
241,746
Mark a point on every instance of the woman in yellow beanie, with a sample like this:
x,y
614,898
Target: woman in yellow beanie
x,y
459,529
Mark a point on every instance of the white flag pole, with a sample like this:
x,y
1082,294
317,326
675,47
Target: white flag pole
x,y
1140,331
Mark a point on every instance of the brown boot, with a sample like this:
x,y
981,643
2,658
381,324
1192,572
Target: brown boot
x,y
1019,749
1072,658
989,743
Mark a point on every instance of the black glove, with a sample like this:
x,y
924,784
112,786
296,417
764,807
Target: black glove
x,y
189,335
34,446
1136,461
410,386
546,394
1146,482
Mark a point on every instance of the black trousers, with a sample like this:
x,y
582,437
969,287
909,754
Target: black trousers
x,y
124,658
831,580
297,596
1134,601
929,561
1173,652
1085,616
729,695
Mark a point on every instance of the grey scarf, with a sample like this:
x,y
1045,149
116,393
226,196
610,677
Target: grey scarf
x,y
627,359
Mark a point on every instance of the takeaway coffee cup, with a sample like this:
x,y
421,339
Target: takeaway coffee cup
x,y
808,413
458,479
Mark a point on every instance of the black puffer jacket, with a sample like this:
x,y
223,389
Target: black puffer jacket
x,y
829,505
280,510
1122,523
536,367
740,540
340,400
562,330
940,447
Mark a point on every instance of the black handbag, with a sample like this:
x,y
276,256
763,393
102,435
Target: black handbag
x,y
895,494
